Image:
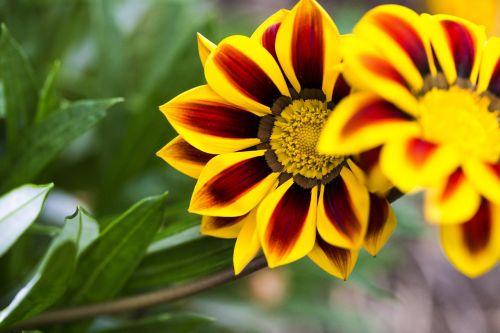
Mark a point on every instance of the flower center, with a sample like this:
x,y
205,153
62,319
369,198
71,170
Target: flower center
x,y
461,118
294,137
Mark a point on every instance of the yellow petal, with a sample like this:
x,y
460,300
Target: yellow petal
x,y
485,177
247,244
381,224
222,227
205,47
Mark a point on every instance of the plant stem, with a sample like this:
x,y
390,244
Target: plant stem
x,y
141,301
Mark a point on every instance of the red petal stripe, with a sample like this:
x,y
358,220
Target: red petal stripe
x,y
307,47
245,74
419,151
452,184
372,113
269,39
382,68
462,47
340,90
216,119
339,256
379,211
218,222
367,160
339,208
184,151
288,220
233,182
477,231
406,36
494,85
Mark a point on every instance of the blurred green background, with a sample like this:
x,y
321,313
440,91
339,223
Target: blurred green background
x,y
145,51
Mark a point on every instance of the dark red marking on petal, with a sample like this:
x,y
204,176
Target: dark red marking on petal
x,y
288,220
418,151
341,89
379,212
269,39
246,75
496,169
233,182
477,231
494,85
218,222
184,151
367,160
307,46
339,208
216,119
462,47
383,68
406,36
338,256
452,184
370,114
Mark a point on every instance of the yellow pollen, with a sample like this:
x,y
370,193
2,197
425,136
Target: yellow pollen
x,y
295,136
460,118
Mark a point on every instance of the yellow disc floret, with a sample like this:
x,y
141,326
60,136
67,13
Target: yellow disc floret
x,y
461,118
295,136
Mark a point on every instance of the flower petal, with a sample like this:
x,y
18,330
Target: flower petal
x,y
205,47
363,121
399,35
209,123
222,227
247,245
367,68
485,177
266,33
458,46
337,261
473,247
232,184
413,162
343,209
489,74
184,157
246,74
381,224
307,45
286,221
455,201
366,167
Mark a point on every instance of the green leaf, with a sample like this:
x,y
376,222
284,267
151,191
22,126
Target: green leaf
x,y
19,87
108,263
178,323
49,100
18,210
87,226
49,282
185,256
37,148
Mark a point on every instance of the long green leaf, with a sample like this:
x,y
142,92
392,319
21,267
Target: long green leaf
x,y
20,92
87,226
49,282
18,210
49,100
108,263
178,323
35,150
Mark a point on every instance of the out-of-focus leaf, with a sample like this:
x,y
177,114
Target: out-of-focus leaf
x,y
49,99
18,210
87,226
49,282
19,87
182,257
105,266
178,323
37,148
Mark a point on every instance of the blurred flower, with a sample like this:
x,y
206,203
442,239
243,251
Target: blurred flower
x,y
484,12
250,138
430,97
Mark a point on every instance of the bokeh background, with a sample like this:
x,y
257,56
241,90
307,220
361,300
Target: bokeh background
x,y
145,51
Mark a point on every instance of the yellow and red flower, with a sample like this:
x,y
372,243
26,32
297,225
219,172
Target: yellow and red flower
x,y
249,136
427,100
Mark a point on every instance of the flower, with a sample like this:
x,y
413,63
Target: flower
x,y
428,100
249,136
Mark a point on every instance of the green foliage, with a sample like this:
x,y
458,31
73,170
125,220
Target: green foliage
x,y
18,210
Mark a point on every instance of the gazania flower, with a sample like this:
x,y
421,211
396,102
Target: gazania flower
x,y
429,103
249,136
